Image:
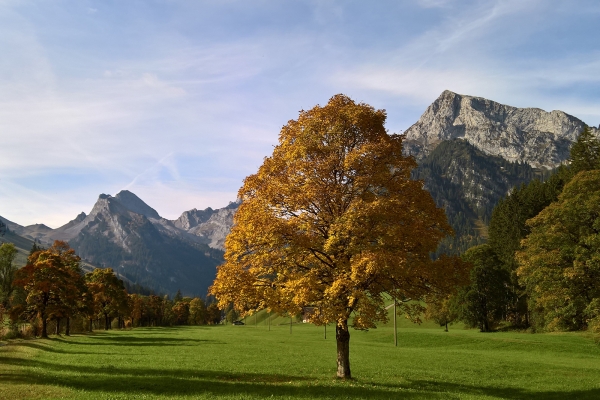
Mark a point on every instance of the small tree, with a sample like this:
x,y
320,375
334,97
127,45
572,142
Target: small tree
x,y
585,152
332,220
440,311
109,295
483,302
213,314
231,315
181,311
51,281
8,252
197,312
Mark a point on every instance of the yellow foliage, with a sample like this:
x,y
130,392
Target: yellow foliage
x,y
332,220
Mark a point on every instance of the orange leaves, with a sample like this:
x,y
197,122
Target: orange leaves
x,y
332,220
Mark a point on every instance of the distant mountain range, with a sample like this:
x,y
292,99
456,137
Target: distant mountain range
x,y
471,152
124,233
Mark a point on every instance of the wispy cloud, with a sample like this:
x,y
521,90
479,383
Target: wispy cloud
x,y
179,101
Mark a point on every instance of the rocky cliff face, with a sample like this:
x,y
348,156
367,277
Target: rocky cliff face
x,y
212,226
531,135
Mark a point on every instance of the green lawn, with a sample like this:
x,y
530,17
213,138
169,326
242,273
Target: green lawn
x,y
252,363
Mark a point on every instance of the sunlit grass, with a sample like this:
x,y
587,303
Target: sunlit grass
x,y
253,362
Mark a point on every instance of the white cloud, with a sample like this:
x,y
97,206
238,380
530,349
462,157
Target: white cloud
x,y
434,3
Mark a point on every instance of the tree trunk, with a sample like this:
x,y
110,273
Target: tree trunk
x,y
486,326
91,325
68,327
446,326
43,315
342,336
57,326
105,322
44,327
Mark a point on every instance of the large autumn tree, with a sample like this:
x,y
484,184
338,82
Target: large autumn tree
x,y
332,220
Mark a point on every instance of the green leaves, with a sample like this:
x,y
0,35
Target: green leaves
x,y
559,263
585,152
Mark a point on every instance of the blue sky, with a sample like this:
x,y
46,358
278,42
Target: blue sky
x,y
178,101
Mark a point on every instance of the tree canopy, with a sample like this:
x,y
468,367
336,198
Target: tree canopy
x,y
585,152
51,279
483,302
559,263
332,220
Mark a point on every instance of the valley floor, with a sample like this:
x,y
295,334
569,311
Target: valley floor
x,y
251,362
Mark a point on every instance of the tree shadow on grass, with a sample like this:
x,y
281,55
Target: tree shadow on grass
x,y
156,341
40,346
180,382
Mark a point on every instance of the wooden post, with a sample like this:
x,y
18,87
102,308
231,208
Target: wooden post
x,y
395,326
325,331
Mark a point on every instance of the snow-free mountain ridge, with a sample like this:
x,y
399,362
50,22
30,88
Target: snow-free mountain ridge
x,y
528,135
126,234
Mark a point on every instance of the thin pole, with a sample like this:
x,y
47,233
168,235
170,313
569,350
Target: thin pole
x,y
255,320
325,331
395,326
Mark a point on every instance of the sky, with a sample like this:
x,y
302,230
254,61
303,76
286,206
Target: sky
x,y
178,101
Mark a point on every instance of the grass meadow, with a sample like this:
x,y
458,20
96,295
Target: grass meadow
x,y
251,362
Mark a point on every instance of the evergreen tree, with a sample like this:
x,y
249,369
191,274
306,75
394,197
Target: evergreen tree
x,y
508,227
8,252
585,152
34,248
482,303
178,297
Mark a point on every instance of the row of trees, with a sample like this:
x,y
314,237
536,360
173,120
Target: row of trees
x,y
541,266
52,287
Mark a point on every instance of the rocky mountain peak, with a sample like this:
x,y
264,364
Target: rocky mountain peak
x,y
530,135
135,204
80,217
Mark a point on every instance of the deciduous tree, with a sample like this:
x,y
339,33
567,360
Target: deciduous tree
x,y
108,292
51,281
332,220
559,263
440,311
197,312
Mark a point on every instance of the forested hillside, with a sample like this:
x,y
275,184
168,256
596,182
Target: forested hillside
x,y
468,183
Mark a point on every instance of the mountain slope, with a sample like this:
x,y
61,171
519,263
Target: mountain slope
x,y
468,183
